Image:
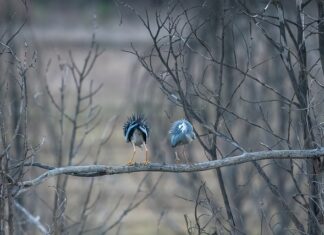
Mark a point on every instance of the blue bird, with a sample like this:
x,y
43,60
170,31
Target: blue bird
x,y
136,131
181,133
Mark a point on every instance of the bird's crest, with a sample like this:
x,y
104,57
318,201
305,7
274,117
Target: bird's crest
x,y
136,121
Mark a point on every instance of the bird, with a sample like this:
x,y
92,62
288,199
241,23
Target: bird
x,y
181,133
136,130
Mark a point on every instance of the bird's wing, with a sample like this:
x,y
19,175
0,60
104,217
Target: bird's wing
x,y
128,131
129,127
176,139
143,126
188,126
176,132
144,130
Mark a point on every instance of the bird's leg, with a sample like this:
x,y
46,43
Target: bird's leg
x,y
131,162
177,157
146,158
184,155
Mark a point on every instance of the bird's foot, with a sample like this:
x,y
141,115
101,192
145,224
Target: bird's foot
x,y
178,161
130,163
187,161
146,162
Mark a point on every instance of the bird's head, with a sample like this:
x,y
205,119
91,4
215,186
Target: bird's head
x,y
191,136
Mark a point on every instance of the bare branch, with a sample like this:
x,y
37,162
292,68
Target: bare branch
x,y
274,189
32,219
101,170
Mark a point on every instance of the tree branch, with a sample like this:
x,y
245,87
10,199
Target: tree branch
x,y
100,170
32,219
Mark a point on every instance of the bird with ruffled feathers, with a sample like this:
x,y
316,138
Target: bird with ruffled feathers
x,y
181,133
136,131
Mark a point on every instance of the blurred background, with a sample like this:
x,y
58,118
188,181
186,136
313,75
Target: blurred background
x,y
84,81
53,29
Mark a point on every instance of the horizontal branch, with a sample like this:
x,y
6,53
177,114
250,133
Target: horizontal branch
x,y
101,170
